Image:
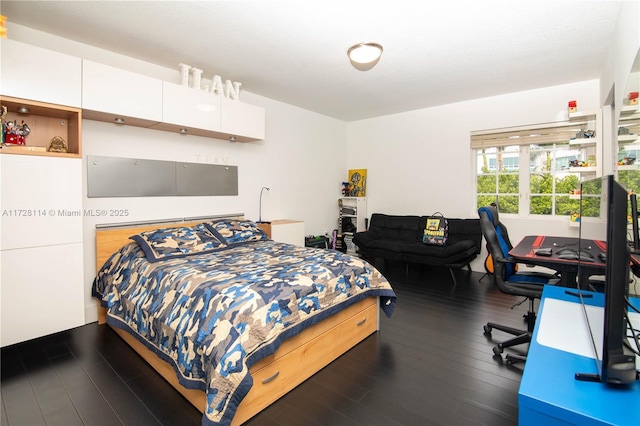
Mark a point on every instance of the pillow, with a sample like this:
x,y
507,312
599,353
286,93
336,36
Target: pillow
x,y
181,241
238,231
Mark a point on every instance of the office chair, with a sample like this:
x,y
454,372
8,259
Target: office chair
x,y
510,281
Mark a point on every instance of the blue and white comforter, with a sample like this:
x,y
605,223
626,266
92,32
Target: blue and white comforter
x,y
214,315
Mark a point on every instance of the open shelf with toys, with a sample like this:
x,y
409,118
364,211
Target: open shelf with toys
x,y
50,129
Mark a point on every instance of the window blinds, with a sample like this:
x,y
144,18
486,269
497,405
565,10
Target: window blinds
x,y
539,134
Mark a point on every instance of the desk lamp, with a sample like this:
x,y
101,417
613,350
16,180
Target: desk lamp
x,y
260,213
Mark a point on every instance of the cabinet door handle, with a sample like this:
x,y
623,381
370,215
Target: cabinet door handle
x,y
362,321
268,379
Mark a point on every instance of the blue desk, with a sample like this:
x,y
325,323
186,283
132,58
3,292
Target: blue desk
x,y
549,394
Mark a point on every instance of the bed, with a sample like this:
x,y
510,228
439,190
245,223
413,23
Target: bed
x,y
232,319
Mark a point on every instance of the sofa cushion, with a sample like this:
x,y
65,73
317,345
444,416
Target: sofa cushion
x,y
456,260
399,228
439,251
465,229
390,245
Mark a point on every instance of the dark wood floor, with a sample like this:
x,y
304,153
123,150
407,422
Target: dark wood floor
x,y
429,364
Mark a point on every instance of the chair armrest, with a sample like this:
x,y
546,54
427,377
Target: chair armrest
x,y
510,260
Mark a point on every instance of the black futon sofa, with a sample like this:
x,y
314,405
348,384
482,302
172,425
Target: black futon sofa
x,y
400,238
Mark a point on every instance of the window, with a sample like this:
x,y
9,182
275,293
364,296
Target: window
x,y
498,177
628,173
629,149
551,181
535,170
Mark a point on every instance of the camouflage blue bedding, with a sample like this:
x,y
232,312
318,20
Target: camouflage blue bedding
x,y
213,315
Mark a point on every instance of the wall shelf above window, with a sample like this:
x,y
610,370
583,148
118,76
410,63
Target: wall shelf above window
x,y
588,169
544,133
583,141
627,139
629,167
581,115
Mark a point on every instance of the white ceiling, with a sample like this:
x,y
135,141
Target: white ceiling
x,y
435,52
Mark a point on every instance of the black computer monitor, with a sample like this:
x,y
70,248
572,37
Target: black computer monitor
x,y
617,365
635,238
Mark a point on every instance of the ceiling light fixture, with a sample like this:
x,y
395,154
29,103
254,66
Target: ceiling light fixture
x,y
364,56
23,110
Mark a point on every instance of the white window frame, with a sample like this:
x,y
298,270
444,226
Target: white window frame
x,y
525,136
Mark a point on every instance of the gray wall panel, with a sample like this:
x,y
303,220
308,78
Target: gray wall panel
x,y
127,177
206,179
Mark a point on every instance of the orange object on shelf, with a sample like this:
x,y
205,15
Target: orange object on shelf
x,y
3,29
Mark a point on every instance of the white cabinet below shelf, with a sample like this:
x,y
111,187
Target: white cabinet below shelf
x,y
42,291
34,73
41,201
41,246
109,93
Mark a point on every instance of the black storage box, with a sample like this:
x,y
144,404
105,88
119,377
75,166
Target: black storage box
x,y
318,241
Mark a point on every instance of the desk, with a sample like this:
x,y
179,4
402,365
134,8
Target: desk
x,y
549,394
524,252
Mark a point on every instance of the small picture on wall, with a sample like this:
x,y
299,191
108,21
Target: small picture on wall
x,y
358,182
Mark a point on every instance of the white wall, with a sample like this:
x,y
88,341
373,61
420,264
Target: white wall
x,y
625,46
420,162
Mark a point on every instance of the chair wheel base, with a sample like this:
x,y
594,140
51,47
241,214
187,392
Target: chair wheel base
x,y
497,350
487,330
512,359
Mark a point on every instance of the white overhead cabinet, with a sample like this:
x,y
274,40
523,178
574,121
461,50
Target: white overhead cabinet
x,y
110,93
190,111
245,121
41,246
197,112
118,96
30,72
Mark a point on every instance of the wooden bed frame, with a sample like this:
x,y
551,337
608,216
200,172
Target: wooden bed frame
x,y
297,359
